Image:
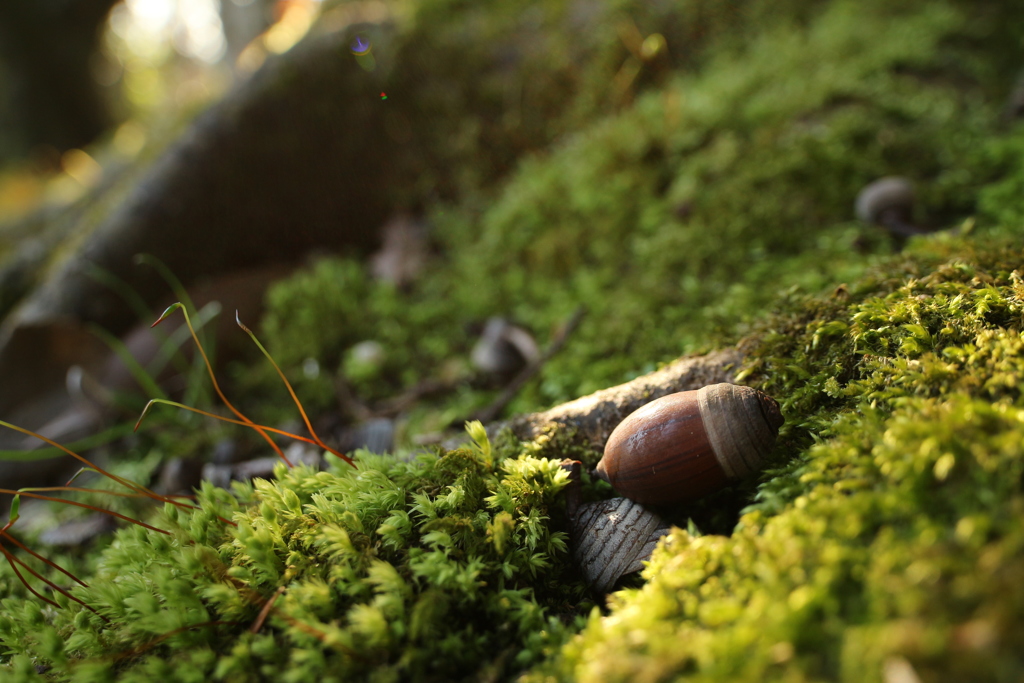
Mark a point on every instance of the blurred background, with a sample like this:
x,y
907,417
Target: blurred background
x,y
78,73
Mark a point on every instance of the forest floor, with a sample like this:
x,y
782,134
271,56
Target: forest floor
x,y
586,197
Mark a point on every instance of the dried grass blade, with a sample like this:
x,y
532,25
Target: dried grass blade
x,y
291,391
209,368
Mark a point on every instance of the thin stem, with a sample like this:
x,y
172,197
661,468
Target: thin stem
x,y
265,610
291,391
216,386
119,494
321,636
12,560
39,557
135,651
86,506
141,490
221,418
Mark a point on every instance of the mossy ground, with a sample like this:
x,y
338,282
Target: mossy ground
x,y
432,569
893,537
885,539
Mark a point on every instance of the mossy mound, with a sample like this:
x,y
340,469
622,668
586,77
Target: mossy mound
x,y
894,541
902,548
428,570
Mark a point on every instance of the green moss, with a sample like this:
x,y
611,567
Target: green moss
x,y
895,536
325,311
676,220
893,541
423,570
937,322
483,85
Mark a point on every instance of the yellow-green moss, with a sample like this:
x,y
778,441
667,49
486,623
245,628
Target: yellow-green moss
x,y
896,536
902,542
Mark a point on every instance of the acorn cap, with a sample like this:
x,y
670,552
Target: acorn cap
x,y
612,538
741,424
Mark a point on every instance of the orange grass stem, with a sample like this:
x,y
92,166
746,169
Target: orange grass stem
x,y
14,562
216,386
82,505
321,636
223,419
265,610
291,391
42,559
138,650
77,489
132,486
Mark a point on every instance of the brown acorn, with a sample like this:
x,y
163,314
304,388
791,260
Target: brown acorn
x,y
684,446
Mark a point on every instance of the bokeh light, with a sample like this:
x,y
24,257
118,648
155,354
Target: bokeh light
x,y
360,45
150,29
164,54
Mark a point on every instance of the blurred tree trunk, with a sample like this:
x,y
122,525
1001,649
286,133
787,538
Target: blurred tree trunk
x,y
46,48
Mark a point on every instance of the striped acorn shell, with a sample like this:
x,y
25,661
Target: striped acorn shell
x,y
611,538
684,446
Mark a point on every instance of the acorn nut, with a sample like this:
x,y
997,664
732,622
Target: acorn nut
x,y
684,446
